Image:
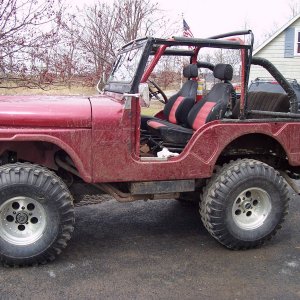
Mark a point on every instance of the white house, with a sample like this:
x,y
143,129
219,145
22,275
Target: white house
x,y
283,50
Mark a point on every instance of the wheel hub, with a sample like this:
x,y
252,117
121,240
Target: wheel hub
x,y
247,205
22,220
251,208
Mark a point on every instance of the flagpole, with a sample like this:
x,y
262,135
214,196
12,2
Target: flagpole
x,y
181,75
186,32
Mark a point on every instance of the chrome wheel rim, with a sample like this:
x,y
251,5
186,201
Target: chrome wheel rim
x,y
22,220
251,208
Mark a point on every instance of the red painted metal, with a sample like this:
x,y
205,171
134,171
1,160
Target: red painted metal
x,y
153,63
116,162
243,88
195,56
45,111
75,142
102,137
107,152
243,55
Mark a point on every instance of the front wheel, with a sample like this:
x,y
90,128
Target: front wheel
x,y
36,214
244,204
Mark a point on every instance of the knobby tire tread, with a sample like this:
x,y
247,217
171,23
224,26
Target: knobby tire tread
x,y
219,183
42,177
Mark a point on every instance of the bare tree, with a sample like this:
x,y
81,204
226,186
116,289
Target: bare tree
x,y
137,17
99,39
27,29
41,44
167,72
225,56
107,27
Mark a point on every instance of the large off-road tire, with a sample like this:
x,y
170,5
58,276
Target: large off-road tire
x,y
244,204
36,215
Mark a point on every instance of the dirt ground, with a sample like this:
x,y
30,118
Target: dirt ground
x,y
159,250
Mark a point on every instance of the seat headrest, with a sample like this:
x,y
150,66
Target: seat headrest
x,y
223,71
190,71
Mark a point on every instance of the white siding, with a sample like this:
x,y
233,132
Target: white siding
x,y
274,52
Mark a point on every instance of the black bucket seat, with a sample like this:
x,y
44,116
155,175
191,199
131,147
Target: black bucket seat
x,y
178,106
213,106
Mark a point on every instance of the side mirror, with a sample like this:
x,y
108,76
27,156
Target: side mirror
x,y
144,95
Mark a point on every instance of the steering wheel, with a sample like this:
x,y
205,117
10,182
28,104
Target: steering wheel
x,y
155,91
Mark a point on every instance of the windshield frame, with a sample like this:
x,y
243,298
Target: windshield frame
x,y
131,86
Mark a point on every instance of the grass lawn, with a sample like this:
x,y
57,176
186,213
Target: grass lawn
x,y
155,107
76,90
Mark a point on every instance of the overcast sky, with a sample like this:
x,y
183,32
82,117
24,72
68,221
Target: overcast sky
x,y
209,17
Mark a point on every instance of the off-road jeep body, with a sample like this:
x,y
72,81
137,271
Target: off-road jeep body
x,y
48,144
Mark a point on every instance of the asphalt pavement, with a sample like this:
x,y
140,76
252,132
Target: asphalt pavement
x,y
159,250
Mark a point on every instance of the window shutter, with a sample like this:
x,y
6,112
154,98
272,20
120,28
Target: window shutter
x,y
289,42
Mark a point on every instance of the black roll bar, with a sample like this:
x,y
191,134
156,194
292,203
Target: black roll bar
x,y
259,61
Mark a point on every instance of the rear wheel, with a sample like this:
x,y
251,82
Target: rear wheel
x,y
36,214
244,204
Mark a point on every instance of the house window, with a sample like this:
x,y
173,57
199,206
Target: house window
x,y
297,41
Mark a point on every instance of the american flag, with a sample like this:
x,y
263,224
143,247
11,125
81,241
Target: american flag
x,y
186,30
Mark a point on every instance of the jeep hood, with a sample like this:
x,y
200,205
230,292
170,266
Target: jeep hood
x,y
45,111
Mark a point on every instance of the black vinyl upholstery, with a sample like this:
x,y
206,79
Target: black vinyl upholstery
x,y
188,91
177,109
265,101
213,106
170,133
145,119
223,72
178,106
190,71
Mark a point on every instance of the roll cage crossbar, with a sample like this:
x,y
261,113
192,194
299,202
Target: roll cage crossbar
x,y
183,41
206,65
193,42
212,42
284,84
159,47
164,47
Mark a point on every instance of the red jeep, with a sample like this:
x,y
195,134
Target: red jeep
x,y
232,153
